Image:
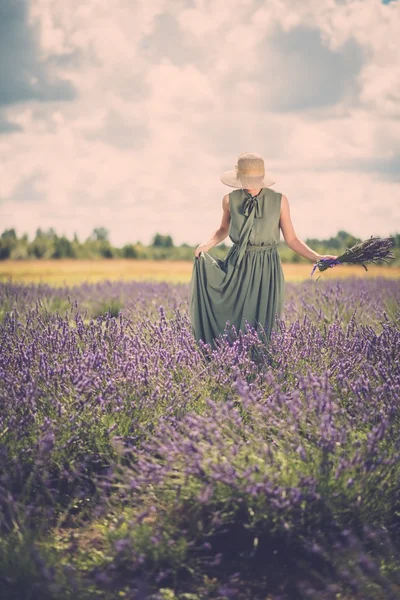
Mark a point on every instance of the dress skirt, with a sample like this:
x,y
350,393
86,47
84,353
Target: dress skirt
x,y
221,291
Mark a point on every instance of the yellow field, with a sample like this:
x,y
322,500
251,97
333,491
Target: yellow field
x,y
70,272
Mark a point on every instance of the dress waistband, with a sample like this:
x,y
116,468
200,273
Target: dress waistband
x,y
259,247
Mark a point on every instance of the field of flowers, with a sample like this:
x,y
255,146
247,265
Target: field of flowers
x,y
138,464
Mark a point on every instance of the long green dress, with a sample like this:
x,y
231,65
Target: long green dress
x,y
248,285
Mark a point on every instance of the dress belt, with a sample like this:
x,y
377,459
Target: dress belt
x,y
253,248
261,246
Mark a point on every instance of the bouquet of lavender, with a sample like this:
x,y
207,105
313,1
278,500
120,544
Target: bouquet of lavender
x,y
370,251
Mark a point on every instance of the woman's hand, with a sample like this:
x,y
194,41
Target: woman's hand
x,y
201,248
319,256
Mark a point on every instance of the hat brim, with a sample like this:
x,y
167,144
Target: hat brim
x,y
230,178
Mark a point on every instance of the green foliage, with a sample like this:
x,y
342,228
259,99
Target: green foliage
x,y
112,306
8,241
162,241
63,248
48,245
99,234
129,251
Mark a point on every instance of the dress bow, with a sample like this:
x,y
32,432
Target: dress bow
x,y
250,203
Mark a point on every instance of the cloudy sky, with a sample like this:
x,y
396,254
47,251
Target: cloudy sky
x,y
124,113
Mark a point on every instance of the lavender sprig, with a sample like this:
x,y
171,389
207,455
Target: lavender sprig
x,y
370,251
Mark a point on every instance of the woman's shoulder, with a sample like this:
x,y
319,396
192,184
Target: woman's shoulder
x,y
273,193
234,196
236,192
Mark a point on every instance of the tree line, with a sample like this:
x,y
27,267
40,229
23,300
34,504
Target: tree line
x,y
47,244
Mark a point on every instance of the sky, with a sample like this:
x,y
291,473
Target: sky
x,y
123,113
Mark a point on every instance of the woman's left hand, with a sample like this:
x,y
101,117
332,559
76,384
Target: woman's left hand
x,y
325,256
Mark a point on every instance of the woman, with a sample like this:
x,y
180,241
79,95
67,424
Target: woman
x,y
248,285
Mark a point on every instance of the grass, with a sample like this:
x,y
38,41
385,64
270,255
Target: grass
x,y
71,272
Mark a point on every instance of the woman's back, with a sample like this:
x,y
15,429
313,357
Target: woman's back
x,y
265,228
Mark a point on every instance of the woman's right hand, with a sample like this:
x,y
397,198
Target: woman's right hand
x,y
201,248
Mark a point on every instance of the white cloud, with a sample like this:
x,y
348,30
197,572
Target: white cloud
x,y
169,94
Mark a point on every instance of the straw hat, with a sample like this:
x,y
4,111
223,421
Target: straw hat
x,y
249,173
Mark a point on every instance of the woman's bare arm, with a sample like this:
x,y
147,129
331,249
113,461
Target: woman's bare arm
x,y
219,234
291,238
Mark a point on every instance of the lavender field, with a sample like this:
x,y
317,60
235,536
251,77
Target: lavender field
x,y
138,464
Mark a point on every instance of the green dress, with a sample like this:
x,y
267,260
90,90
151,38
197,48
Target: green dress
x,y
248,285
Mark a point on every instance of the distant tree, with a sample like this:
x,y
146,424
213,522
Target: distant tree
x,y
342,235
50,234
8,242
99,234
38,248
162,241
352,241
333,242
62,248
346,239
106,250
295,258
9,234
5,250
20,251
312,242
129,251
47,244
